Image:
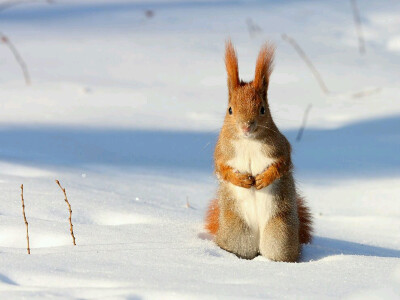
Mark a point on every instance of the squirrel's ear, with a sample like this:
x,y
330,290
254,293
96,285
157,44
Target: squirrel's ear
x,y
264,67
232,68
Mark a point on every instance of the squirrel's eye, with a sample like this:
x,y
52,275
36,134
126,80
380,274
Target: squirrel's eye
x,y
230,110
262,110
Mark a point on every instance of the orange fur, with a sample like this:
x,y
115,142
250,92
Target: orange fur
x,y
247,136
272,173
305,219
227,173
262,180
212,217
231,64
264,66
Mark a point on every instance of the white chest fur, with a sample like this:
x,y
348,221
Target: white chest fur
x,y
255,206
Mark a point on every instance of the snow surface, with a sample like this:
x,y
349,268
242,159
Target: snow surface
x,y
124,110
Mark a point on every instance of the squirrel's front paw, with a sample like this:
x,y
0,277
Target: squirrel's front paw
x,y
262,180
243,180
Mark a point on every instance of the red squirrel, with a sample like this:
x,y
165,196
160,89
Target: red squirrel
x,y
257,210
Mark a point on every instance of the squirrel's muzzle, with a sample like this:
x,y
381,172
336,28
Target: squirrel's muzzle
x,y
248,127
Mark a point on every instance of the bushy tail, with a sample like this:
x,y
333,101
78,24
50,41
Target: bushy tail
x,y
212,217
305,218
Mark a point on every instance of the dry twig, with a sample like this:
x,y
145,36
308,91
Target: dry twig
x,y
149,14
308,62
252,27
17,56
11,3
366,92
357,21
70,212
26,222
187,203
303,125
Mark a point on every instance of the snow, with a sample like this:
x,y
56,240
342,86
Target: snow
x,y
125,110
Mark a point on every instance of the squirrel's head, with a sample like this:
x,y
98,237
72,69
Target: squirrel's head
x,y
248,112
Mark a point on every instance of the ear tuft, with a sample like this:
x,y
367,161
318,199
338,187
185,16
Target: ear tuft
x,y
264,66
231,64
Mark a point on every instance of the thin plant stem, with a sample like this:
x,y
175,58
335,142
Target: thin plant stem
x,y
308,62
17,57
70,212
26,222
303,124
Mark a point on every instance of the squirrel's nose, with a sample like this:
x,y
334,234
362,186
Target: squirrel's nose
x,y
248,127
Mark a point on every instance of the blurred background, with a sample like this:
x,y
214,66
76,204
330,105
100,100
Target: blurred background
x,y
122,101
96,69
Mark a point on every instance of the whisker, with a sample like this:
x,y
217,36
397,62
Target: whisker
x,y
268,128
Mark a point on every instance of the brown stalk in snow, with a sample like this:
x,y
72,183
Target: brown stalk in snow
x,y
252,27
70,212
23,213
308,62
303,125
4,39
357,21
11,3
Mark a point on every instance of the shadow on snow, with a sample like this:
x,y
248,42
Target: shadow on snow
x,y
368,148
323,247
